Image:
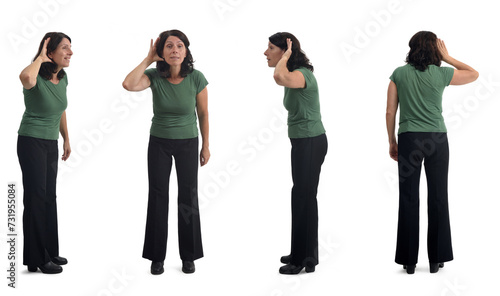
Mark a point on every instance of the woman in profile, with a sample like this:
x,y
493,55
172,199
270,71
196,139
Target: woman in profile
x,y
309,146
44,88
179,94
418,88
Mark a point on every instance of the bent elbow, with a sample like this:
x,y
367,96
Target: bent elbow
x,y
126,85
278,78
476,75
27,80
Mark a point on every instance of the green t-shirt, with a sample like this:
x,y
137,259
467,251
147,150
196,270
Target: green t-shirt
x,y
420,95
304,116
45,103
174,105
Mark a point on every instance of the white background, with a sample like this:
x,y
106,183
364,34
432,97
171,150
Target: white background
x,y
245,188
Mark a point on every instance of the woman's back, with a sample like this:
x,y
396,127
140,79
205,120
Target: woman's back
x,y
420,97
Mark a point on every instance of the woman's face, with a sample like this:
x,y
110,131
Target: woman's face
x,y
174,51
62,55
273,54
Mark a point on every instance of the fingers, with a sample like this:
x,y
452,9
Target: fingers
x,y
67,151
43,53
441,45
442,49
152,51
66,154
204,157
394,155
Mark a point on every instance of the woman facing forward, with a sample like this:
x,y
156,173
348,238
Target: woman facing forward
x,y
179,93
309,146
44,88
418,88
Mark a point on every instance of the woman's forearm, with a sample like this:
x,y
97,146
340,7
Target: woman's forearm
x,y
29,74
204,129
63,127
133,79
391,127
281,70
457,64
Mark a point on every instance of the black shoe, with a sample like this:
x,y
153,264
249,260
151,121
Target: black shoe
x,y
434,267
188,266
59,260
48,268
157,267
295,269
286,259
410,269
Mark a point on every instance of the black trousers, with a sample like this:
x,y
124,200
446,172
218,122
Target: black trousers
x,y
307,157
432,149
185,153
38,159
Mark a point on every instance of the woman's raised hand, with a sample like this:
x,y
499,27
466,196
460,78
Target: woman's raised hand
x,y
43,53
443,50
288,52
152,55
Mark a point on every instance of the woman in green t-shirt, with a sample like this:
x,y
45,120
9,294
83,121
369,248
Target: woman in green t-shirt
x,y
418,88
179,96
309,146
44,88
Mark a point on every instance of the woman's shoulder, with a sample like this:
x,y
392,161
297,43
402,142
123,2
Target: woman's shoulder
x,y
306,72
403,70
64,80
151,72
405,67
196,73
436,68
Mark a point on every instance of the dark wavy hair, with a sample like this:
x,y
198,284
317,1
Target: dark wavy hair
x,y
48,68
298,58
423,51
162,66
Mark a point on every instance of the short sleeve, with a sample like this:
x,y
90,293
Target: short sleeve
x,y
307,76
152,74
393,76
447,73
200,81
27,91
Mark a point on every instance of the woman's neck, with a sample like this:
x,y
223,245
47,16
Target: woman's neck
x,y
175,72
